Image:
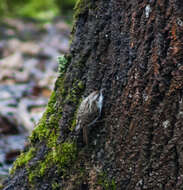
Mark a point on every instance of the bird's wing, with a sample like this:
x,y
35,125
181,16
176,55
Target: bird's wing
x,y
91,102
83,107
81,110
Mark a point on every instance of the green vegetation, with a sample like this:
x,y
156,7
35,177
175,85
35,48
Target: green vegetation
x,y
73,93
62,156
44,130
37,9
74,121
23,159
65,154
55,186
107,184
65,5
48,122
62,65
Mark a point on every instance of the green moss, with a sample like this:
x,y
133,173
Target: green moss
x,y
23,159
65,154
80,85
32,175
74,119
48,121
55,186
107,184
46,129
74,122
53,138
74,97
40,130
75,92
80,7
61,156
62,64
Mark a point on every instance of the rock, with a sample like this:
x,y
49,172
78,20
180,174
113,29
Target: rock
x,y
62,27
14,61
7,127
11,156
21,76
10,147
38,91
12,45
48,79
17,90
30,48
4,93
47,50
26,114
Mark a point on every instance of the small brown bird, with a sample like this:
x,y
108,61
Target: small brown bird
x,y
89,111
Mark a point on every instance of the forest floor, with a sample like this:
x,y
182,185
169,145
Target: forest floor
x,y
28,69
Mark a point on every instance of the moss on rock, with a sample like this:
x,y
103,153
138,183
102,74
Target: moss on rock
x,y
23,159
48,121
62,65
62,156
107,184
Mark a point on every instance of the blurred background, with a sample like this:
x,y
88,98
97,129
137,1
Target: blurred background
x,y
32,34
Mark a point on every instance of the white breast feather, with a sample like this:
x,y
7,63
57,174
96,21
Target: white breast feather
x,y
100,102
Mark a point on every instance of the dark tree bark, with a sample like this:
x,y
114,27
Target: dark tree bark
x,y
134,50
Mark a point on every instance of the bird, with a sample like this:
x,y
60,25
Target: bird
x,y
88,112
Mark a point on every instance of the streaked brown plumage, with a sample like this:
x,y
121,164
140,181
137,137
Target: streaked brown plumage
x,y
89,111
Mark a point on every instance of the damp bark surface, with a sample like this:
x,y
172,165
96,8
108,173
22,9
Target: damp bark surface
x,y
133,49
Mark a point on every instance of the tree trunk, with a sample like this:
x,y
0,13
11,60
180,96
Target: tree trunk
x,y
133,49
